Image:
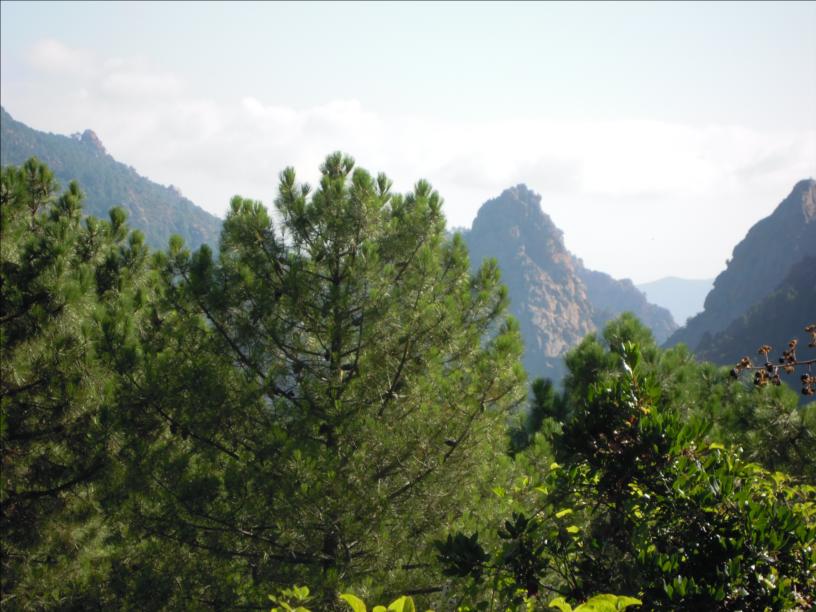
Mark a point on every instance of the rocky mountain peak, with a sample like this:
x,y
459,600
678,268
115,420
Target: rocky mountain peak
x,y
518,214
556,300
90,138
807,190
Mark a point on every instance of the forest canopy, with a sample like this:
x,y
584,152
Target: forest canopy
x,y
336,399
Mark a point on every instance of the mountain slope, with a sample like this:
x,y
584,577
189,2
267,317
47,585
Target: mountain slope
x,y
546,294
760,261
156,210
556,300
682,296
774,320
610,297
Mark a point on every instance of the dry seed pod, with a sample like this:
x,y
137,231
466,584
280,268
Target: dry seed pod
x,y
770,371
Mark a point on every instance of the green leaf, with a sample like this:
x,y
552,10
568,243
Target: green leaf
x,y
356,603
300,593
607,602
624,602
561,604
563,513
573,529
403,604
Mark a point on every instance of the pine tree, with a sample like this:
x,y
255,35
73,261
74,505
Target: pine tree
x,y
59,280
316,405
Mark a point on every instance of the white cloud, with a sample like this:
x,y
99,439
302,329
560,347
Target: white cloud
x,y
51,55
129,84
634,198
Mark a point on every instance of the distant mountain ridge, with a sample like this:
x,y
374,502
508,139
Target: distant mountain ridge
x,y
157,211
683,297
555,298
759,263
610,297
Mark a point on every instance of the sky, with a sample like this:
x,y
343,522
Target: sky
x,y
656,133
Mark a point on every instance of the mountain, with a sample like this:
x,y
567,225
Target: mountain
x,y
682,296
759,262
547,295
610,297
157,211
774,320
555,298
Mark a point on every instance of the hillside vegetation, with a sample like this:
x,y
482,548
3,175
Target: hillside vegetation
x,y
158,211
333,409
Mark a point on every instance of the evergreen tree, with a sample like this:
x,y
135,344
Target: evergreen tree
x,y
547,410
320,402
60,281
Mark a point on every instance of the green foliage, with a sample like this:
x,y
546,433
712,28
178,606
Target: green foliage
x,y
547,411
158,211
771,426
642,502
291,600
462,556
599,603
401,604
64,285
357,604
327,403
317,404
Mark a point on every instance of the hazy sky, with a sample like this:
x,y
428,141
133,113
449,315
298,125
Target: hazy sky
x,y
657,134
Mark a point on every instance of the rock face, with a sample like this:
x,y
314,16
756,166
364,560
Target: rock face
x,y
556,300
759,263
546,294
157,211
774,320
610,297
91,140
